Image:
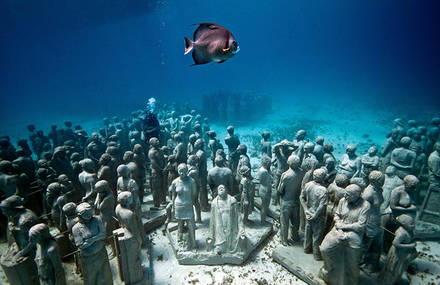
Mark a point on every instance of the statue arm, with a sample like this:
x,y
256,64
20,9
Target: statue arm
x,y
358,167
281,189
303,199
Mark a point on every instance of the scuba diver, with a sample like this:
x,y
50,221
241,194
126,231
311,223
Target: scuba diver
x,y
150,124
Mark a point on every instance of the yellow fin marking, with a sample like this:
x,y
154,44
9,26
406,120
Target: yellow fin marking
x,y
226,49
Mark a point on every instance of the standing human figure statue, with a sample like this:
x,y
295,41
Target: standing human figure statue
x,y
289,190
199,147
232,141
314,201
335,192
88,179
300,141
265,144
350,164
129,238
247,192
308,153
403,158
281,152
105,207
47,257
157,167
264,177
214,145
88,234
318,150
341,248
193,172
434,167
223,225
373,239
330,168
125,183
183,189
179,151
370,161
220,175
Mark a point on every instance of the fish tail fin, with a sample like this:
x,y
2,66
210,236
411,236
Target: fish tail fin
x,y
189,45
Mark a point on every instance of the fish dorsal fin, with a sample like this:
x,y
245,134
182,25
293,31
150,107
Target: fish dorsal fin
x,y
203,27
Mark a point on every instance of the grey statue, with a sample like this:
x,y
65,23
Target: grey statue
x,y
129,238
89,234
264,177
289,190
341,248
314,201
247,192
47,257
403,158
223,225
183,189
350,164
370,161
157,167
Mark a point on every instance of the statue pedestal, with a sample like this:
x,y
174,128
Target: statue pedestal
x,y
134,263
152,217
306,268
21,272
255,233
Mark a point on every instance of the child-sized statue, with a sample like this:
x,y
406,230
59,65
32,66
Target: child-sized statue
x,y
401,253
265,179
247,192
314,201
50,268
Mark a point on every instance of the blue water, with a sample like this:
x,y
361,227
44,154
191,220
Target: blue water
x,y
83,61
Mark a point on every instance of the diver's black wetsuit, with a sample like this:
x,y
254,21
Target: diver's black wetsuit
x,y
151,126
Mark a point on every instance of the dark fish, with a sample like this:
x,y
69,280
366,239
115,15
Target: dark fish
x,y
212,42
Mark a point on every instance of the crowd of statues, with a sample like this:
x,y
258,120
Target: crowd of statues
x,y
350,211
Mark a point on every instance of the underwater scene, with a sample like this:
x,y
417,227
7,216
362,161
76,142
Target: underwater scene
x,y
219,142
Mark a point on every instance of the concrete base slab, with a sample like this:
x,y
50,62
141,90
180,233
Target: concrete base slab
x,y
425,230
255,232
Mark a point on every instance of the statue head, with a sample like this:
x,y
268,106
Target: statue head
x,y
102,187
328,147
342,181
192,138
230,130
350,149
69,209
293,161
376,178
193,160
300,135
319,175
123,170
219,161
182,170
308,147
372,151
125,199
87,165
330,163
405,142
242,148
39,233
407,222
154,142
319,140
266,162
221,190
352,193
410,182
84,212
265,135
199,144
128,156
